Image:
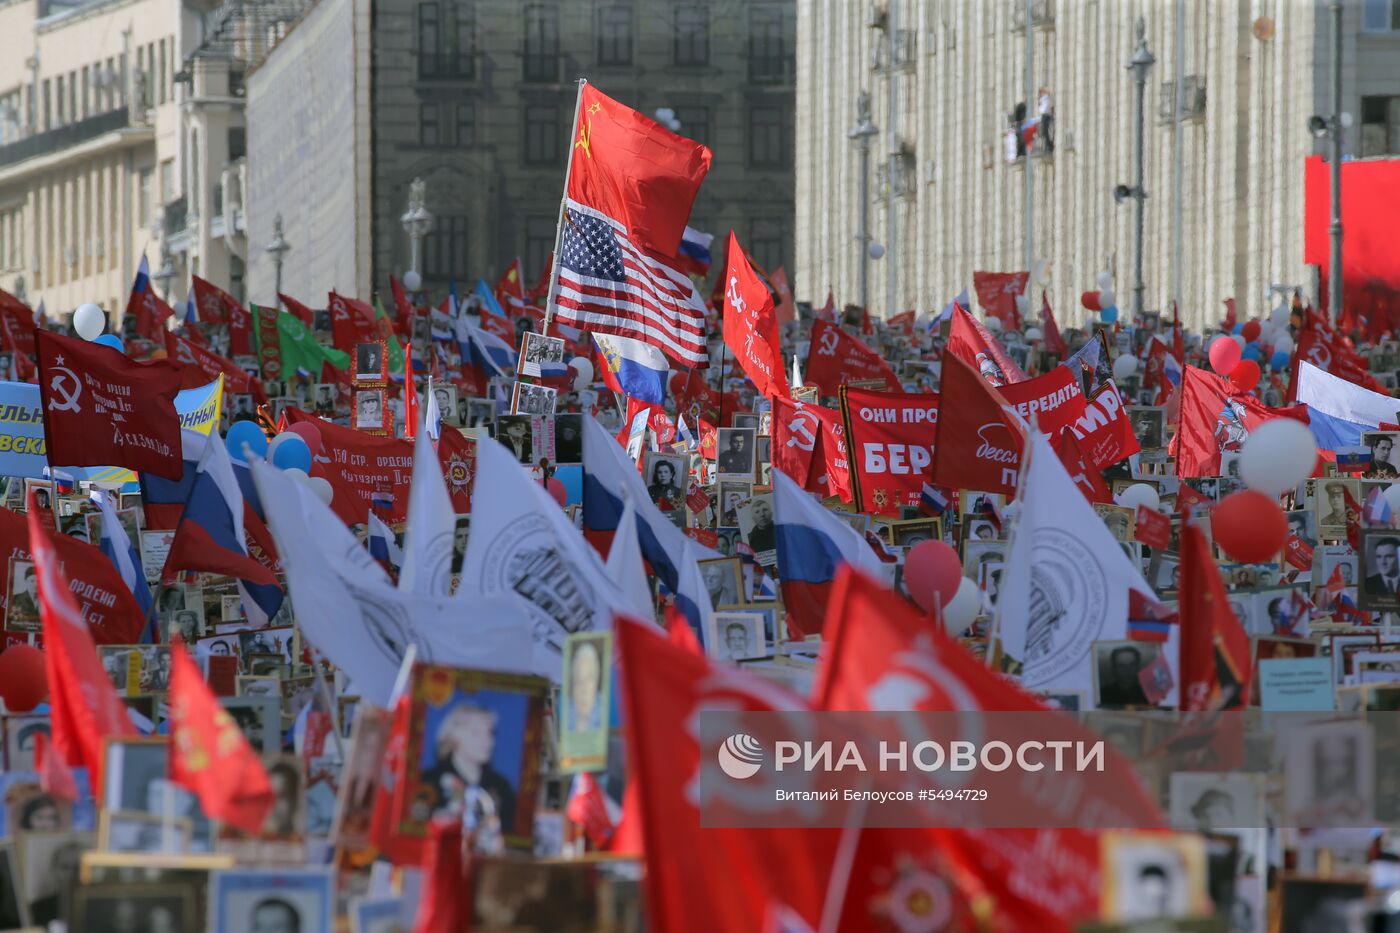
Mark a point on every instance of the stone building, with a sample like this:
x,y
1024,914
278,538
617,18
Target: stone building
x,y
1251,74
476,98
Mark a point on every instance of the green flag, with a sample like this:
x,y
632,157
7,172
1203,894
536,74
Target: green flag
x,y
300,350
392,348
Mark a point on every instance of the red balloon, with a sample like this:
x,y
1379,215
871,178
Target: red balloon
x,y
1251,330
1249,526
932,572
23,683
1245,376
557,490
308,432
1224,355
1090,300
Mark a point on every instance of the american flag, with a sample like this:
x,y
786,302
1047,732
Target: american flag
x,y
610,285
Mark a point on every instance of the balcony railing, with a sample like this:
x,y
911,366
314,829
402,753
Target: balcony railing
x,y
63,137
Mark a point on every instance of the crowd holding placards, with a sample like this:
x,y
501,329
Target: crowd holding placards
x,y
416,618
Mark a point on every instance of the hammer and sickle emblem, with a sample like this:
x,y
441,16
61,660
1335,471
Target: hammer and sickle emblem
x,y
65,390
803,436
585,138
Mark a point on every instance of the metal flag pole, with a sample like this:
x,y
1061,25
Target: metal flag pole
x,y
563,204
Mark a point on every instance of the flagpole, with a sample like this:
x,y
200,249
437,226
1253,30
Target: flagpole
x,y
563,203
995,632
841,867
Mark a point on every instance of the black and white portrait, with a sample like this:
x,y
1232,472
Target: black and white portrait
x,y
1380,551
1331,506
461,531
665,476
757,528
530,399
1303,523
323,395
1117,665
369,409
129,908
1154,876
1149,424
736,452
538,350
369,362
723,581
1383,455
735,636
50,873
516,433
568,438
446,397
476,412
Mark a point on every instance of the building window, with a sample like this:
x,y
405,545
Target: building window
x,y
167,181
539,243
446,39
541,53
542,132
237,143
429,133
445,248
767,45
695,123
767,242
144,204
62,100
466,124
1380,15
1380,126
615,35
767,146
48,106
692,36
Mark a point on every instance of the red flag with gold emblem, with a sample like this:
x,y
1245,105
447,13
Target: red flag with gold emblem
x,y
209,755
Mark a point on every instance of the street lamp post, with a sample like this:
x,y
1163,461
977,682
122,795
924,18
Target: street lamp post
x,y
417,222
1140,64
861,133
165,274
277,248
1332,127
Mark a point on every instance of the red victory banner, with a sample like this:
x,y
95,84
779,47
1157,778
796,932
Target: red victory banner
x,y
750,325
199,367
996,293
836,359
980,438
1053,400
1153,528
352,322
102,408
973,344
891,439
1105,434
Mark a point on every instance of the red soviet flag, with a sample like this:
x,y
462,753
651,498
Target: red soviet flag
x,y
836,358
1215,666
786,310
979,438
199,367
973,344
352,322
84,708
296,309
102,408
634,170
1215,420
209,756
211,302
1053,341
750,326
809,445
997,293
883,654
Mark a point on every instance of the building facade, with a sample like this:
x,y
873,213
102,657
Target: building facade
x,y
945,78
476,98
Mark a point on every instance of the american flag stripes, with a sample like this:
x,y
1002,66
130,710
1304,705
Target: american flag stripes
x,y
608,284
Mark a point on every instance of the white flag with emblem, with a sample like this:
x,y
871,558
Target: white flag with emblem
x,y
1065,581
428,533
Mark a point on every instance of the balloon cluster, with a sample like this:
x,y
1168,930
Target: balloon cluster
x,y
1102,299
1249,525
291,452
934,578
582,368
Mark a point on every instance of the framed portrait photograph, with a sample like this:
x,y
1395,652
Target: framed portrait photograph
x,y
516,432
745,420
22,608
121,831
1149,424
130,521
1330,504
568,439
136,669
14,911
757,529
377,915
1120,520
1384,458
49,864
1303,523
370,365
247,900
723,580
1117,666
241,407
537,352
583,715
279,641
1307,904
665,476
474,743
20,732
258,685
1380,563
732,496
324,399
43,493
1209,801
259,718
477,411
737,450
736,636
529,399
908,533
1153,876
445,394
370,409
359,779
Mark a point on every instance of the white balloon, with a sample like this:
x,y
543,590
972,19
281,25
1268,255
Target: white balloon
x,y
1034,333
89,321
1022,304
962,609
1277,456
1392,495
584,367
1283,343
1106,298
1279,316
1105,281
1125,366
993,324
877,250
322,488
294,473
1139,494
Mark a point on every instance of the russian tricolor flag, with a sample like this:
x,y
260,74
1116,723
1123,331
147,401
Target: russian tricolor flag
x,y
812,544
609,478
1338,410
694,252
634,369
211,537
484,351
116,544
382,545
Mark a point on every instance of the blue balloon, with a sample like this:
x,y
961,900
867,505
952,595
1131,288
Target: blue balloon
x,y
1252,352
113,341
1239,328
245,433
1109,315
292,453
1280,360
